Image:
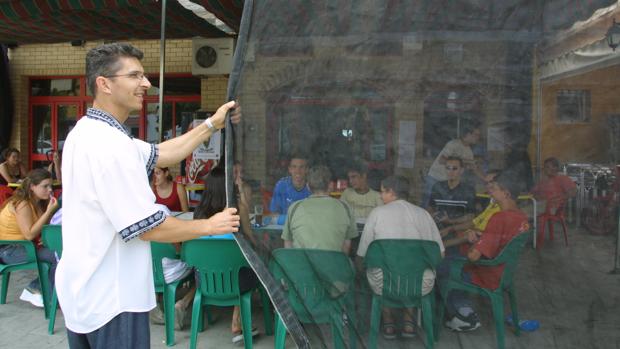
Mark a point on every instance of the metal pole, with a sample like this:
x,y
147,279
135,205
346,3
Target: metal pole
x,y
616,269
162,61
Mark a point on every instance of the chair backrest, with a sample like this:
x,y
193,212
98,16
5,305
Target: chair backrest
x,y
51,236
509,256
403,262
314,279
218,262
160,250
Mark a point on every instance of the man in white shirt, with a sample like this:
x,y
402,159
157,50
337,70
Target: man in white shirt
x,y
104,279
397,219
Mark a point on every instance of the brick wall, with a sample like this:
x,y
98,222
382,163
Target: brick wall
x,y
63,59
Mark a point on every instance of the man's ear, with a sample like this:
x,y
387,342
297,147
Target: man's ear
x,y
103,85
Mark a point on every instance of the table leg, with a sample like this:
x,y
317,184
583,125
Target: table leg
x,y
535,208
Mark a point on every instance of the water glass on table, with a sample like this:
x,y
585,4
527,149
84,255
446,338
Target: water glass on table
x,y
258,215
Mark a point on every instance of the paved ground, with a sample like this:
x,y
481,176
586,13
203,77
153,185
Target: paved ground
x,y
568,289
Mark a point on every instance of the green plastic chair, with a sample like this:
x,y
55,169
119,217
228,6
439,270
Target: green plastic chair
x,y
31,263
509,257
51,236
217,262
403,262
317,283
159,251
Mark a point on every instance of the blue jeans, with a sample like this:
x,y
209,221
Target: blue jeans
x,y
13,254
457,299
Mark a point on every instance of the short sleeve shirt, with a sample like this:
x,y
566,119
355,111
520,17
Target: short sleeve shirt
x,y
463,194
398,219
319,222
453,148
361,204
553,189
284,194
107,203
502,227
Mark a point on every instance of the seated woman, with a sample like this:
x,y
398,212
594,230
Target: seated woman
x,y
11,170
22,218
213,201
168,192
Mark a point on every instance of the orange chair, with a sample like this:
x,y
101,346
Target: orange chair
x,y
549,218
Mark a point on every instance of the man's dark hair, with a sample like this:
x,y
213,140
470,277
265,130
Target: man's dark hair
x,y
318,178
358,166
553,161
469,127
455,158
103,61
398,184
509,183
298,156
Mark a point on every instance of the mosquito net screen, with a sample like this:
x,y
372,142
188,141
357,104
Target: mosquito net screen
x,y
398,162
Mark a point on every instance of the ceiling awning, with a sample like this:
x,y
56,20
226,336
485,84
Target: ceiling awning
x,y
50,21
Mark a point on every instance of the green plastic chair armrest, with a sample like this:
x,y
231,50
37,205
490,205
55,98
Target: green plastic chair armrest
x,y
28,245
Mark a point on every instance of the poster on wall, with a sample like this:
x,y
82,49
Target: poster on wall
x,y
406,144
495,138
203,158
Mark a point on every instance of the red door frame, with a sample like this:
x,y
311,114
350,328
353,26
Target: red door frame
x,y
82,99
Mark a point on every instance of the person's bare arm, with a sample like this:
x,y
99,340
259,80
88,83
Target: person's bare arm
x,y
25,220
174,150
473,254
346,246
460,220
288,244
4,172
177,230
56,163
245,221
182,197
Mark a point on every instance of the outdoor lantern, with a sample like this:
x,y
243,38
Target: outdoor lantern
x,y
613,35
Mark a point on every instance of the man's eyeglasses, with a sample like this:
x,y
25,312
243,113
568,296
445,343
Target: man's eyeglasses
x,y
137,75
452,168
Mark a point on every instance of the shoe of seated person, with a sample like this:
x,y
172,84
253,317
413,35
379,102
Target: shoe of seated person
x,y
238,335
33,296
462,323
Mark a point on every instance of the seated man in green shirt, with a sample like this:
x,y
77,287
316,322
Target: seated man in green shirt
x,y
319,221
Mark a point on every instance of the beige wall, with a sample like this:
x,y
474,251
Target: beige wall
x,y
581,142
64,59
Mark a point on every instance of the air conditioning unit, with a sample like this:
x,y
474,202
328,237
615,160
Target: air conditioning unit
x,y
212,56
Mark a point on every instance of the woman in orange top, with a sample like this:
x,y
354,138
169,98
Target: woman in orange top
x,y
22,218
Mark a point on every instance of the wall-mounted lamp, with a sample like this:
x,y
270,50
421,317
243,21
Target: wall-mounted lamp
x,y
613,35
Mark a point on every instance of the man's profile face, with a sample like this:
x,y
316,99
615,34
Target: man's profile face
x,y
496,192
129,87
454,169
387,195
298,168
357,180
